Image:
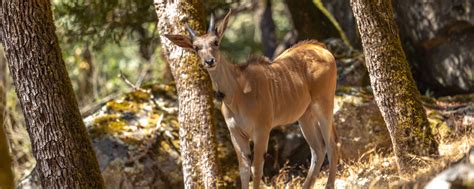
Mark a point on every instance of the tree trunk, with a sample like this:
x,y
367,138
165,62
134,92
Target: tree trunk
x,y
267,27
197,130
343,15
62,149
86,78
6,175
394,88
313,21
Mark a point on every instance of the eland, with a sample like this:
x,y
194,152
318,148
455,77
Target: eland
x,y
298,85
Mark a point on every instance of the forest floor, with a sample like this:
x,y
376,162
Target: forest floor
x,y
136,141
377,169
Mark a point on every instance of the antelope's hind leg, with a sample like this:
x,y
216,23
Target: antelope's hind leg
x,y
312,134
324,114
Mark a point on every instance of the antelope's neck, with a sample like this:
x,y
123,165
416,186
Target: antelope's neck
x,y
224,80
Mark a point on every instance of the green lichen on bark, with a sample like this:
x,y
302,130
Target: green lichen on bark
x,y
197,130
394,88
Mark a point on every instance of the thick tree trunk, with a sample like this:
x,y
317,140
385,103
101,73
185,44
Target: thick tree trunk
x,y
197,131
62,149
394,88
313,21
267,27
6,175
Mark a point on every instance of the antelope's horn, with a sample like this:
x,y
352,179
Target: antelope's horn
x,y
191,32
211,25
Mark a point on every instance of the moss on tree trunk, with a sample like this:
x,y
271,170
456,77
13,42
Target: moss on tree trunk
x,y
197,127
394,88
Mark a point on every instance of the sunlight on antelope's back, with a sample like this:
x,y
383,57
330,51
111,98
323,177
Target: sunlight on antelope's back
x,y
259,95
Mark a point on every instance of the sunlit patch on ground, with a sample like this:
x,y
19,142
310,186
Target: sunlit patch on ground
x,y
375,169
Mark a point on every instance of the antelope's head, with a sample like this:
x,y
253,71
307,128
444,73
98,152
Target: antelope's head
x,y
207,45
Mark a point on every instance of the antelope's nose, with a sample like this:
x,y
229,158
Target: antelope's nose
x,y
210,62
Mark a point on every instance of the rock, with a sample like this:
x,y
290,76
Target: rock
x,y
136,137
460,175
137,145
351,70
448,64
359,123
31,181
437,37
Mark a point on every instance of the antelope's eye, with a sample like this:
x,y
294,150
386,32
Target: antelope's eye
x,y
216,43
196,48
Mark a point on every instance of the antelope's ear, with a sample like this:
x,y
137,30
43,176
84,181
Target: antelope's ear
x,y
244,83
180,40
223,25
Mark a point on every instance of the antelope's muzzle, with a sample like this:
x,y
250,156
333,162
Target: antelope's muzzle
x,y
209,63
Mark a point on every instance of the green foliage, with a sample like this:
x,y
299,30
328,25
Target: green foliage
x,y
100,22
121,36
242,38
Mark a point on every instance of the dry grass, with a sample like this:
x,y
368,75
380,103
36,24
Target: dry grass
x,y
377,169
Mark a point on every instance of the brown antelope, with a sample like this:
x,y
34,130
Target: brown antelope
x,y
299,85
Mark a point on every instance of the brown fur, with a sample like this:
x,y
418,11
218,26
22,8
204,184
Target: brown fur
x,y
255,60
263,60
299,85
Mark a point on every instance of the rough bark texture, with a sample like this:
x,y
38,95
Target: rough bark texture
x,y
343,14
438,37
197,131
267,27
312,21
60,143
6,174
394,88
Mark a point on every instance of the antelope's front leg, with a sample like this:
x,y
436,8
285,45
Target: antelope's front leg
x,y
260,148
242,149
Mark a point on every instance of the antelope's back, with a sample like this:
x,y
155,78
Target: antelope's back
x,y
317,63
306,51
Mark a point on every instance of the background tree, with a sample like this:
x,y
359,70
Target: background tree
x,y
313,21
197,130
6,174
267,27
342,12
394,88
436,36
60,143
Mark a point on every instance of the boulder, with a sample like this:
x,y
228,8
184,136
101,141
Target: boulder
x,y
458,175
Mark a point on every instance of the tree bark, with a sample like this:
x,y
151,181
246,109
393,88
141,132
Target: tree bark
x,y
197,130
61,147
394,88
267,27
312,21
7,178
